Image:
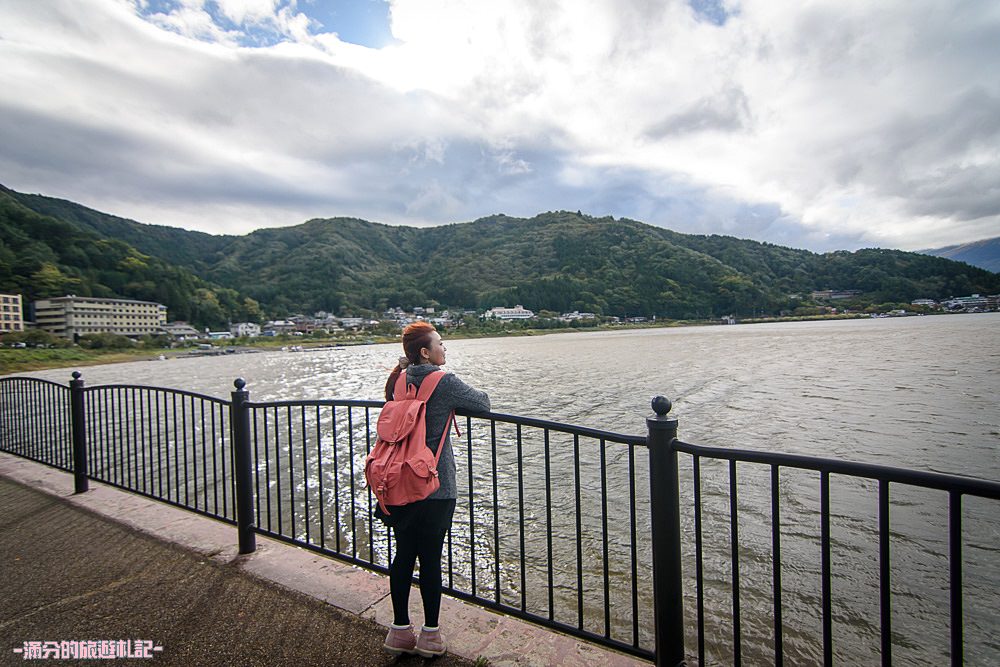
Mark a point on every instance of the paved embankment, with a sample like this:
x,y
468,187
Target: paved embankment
x,y
110,565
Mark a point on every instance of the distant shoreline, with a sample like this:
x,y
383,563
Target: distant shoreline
x,y
16,361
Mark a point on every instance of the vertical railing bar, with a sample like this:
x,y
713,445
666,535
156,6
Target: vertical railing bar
x,y
147,444
184,444
779,649
350,449
131,425
33,415
128,439
44,432
45,425
111,469
735,558
825,567
121,409
267,468
67,426
48,425
496,515
955,576
520,510
256,464
699,561
204,454
305,472
291,473
604,539
277,468
54,420
472,500
216,409
579,532
97,426
633,547
159,446
319,476
194,451
107,470
234,474
52,434
166,441
177,452
336,479
224,410
136,439
120,424
885,594
550,571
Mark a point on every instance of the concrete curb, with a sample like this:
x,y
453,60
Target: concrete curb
x,y
472,632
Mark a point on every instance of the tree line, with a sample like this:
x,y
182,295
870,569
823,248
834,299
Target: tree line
x,y
556,261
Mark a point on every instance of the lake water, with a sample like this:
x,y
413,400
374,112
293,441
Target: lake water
x,y
916,392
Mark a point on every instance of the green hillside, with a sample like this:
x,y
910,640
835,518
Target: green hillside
x,y
556,261
42,256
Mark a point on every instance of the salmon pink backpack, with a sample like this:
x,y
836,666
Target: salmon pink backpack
x,y
401,469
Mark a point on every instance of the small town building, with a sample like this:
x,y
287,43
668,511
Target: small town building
x,y
244,330
181,330
11,314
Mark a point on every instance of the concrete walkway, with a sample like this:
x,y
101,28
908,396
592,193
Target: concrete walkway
x,y
111,565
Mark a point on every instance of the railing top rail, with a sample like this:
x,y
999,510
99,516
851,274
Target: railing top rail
x,y
584,431
931,480
327,402
39,380
182,392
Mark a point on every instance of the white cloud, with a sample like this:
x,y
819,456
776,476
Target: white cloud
x,y
834,122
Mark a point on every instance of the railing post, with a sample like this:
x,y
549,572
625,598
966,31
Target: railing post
x,y
240,418
664,495
79,430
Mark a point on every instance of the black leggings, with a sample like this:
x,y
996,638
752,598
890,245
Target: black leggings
x,y
419,535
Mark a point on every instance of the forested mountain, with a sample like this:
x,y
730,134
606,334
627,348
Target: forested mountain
x,y
985,254
555,261
42,256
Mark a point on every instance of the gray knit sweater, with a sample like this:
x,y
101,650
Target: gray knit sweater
x,y
451,393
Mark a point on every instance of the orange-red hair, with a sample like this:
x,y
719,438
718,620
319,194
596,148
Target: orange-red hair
x,y
416,336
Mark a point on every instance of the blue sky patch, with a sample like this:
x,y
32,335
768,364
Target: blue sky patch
x,y
711,11
364,22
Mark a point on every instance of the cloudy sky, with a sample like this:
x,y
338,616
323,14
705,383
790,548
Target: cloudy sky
x,y
828,124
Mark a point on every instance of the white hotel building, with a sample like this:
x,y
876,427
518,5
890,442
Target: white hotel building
x,y
74,316
518,312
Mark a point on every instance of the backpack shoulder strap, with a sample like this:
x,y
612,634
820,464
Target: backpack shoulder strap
x,y
399,391
429,384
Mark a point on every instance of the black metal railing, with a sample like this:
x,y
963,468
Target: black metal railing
x,y
36,421
560,554
881,530
557,524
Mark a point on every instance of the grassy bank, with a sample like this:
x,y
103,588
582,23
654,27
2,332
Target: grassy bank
x,y
25,360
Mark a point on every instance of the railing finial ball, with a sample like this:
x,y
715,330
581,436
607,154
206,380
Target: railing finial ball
x,y
77,375
661,405
239,383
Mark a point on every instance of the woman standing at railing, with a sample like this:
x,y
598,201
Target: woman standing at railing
x,y
420,527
